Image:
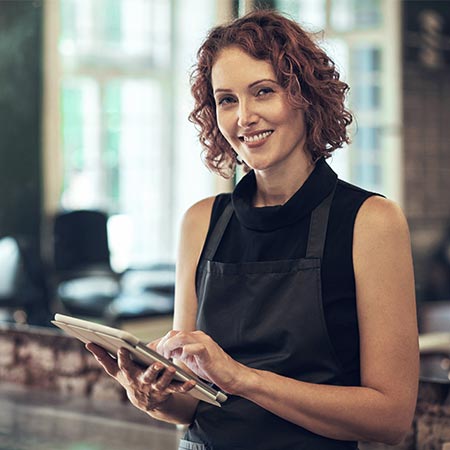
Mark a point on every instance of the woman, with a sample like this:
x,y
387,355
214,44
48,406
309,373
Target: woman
x,y
295,293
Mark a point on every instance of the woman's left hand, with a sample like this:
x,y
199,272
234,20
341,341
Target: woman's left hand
x,y
201,354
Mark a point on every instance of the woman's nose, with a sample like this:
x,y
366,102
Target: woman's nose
x,y
246,114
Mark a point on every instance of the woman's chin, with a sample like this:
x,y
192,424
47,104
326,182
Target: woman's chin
x,y
259,165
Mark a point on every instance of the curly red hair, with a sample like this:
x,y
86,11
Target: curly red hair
x,y
303,69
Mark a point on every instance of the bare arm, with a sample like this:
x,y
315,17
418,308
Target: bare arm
x,y
181,408
381,409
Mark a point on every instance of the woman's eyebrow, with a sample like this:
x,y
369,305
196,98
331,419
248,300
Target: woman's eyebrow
x,y
250,85
262,81
222,90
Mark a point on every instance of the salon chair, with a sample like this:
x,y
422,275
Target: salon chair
x,y
434,316
434,340
146,292
85,282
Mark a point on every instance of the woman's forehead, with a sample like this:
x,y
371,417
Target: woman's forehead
x,y
233,66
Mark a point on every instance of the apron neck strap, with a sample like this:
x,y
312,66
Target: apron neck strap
x,y
318,227
217,232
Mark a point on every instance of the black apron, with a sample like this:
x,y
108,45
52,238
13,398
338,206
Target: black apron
x,y
267,315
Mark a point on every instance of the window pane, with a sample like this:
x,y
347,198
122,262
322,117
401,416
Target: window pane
x,y
68,11
347,15
81,145
367,160
71,100
141,159
77,26
366,69
337,49
101,31
368,176
147,30
310,13
366,59
108,15
112,111
366,97
367,140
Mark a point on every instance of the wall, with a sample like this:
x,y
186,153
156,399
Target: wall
x,y
426,115
20,127
48,360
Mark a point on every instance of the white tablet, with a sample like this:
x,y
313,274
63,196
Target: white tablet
x,y
111,339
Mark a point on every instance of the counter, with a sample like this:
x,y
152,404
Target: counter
x,y
54,396
32,419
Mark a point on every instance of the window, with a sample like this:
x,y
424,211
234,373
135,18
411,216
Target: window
x,y
361,37
124,99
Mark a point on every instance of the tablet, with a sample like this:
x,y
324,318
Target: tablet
x,y
111,339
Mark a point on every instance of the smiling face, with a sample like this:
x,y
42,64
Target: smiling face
x,y
253,113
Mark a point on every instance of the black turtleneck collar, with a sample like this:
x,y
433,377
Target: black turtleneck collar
x,y
317,186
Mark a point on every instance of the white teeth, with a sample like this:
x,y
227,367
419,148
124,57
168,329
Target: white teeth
x,y
257,137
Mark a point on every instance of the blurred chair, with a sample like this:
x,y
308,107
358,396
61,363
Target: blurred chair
x,y
85,281
434,317
145,292
437,283
81,242
23,287
434,341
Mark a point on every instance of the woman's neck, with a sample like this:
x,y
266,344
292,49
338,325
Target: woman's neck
x,y
276,187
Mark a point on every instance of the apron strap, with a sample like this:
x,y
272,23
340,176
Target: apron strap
x,y
217,232
318,227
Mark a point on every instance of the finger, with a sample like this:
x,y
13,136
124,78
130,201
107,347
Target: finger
x,y
197,349
127,366
161,344
154,344
182,388
152,372
182,345
108,363
165,379
169,346
95,349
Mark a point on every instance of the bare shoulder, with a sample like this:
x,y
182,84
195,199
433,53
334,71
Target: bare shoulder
x,y
379,218
200,210
381,211
196,220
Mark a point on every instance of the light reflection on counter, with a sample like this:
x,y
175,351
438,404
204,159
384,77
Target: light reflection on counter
x,y
37,420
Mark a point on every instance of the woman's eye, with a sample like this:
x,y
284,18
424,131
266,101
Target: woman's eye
x,y
264,91
226,101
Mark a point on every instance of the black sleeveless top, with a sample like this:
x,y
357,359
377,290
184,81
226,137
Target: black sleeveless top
x,y
280,233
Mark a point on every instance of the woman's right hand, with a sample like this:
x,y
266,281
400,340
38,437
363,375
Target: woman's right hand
x,y
147,389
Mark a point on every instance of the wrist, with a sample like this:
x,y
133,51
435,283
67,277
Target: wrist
x,y
173,412
160,406
245,379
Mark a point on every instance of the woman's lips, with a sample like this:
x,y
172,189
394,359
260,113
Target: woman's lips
x,y
256,140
